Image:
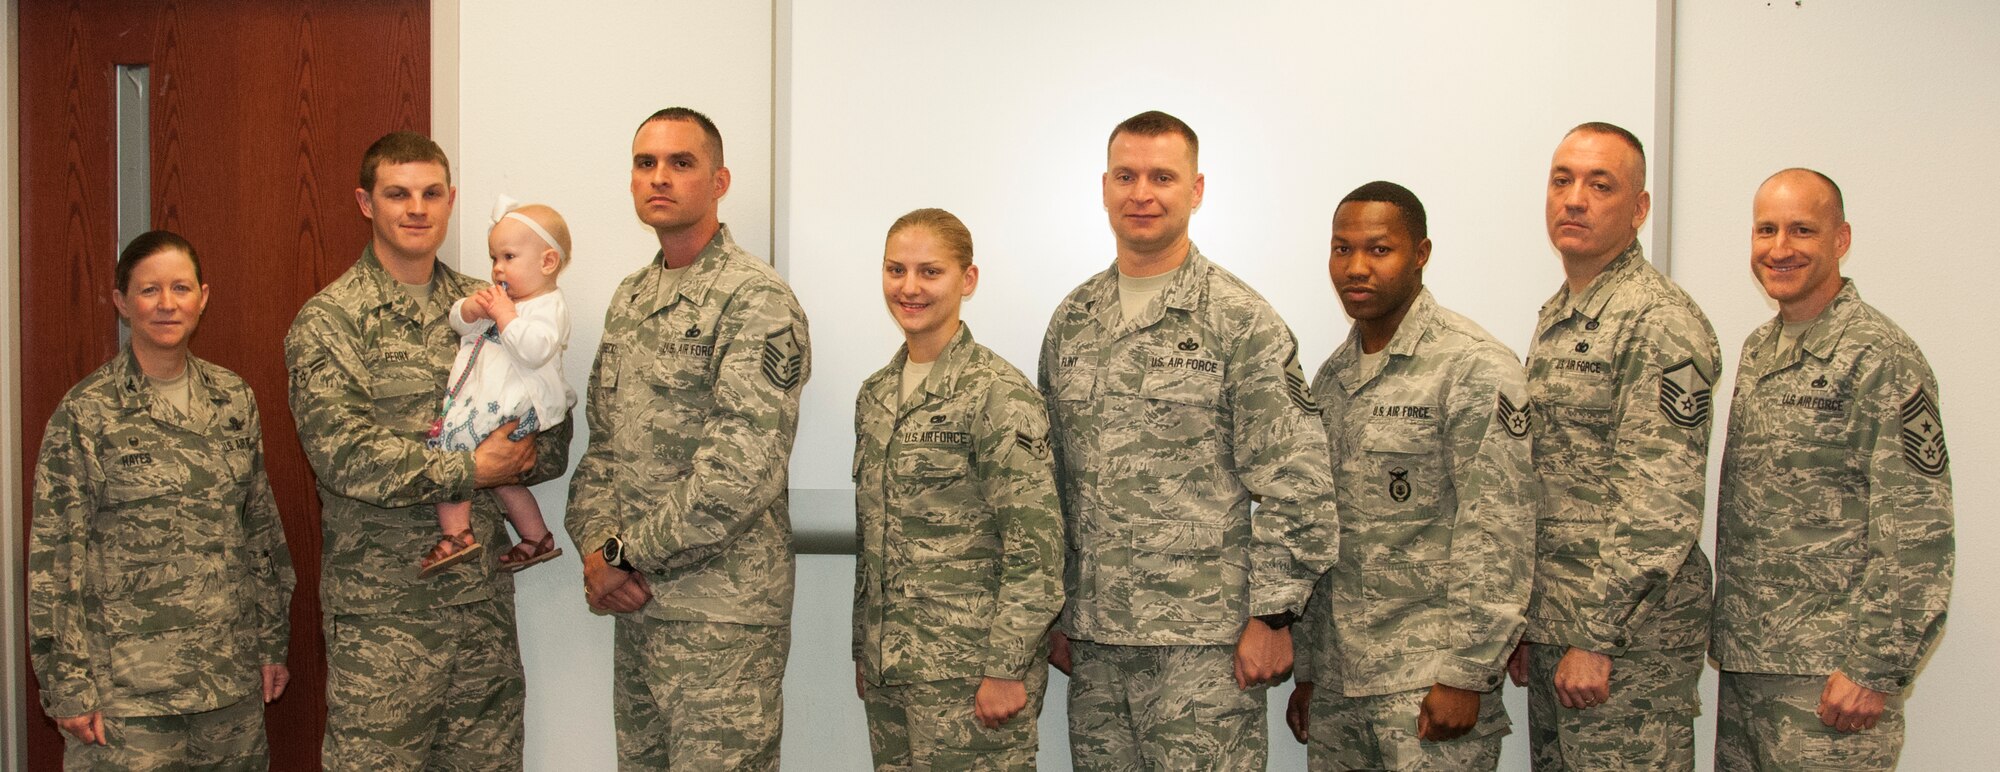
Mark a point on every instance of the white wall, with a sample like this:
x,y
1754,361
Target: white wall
x,y
1894,101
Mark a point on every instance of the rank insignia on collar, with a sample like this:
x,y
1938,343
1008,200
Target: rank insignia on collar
x,y
1399,484
1923,435
1514,419
1685,395
784,360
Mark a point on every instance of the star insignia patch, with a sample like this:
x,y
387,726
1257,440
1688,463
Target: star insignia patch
x,y
1513,419
1685,395
784,362
1923,435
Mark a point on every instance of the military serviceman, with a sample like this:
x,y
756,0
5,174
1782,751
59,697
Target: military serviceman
x,y
680,499
959,571
1175,395
159,586
1834,540
1619,376
1401,651
420,672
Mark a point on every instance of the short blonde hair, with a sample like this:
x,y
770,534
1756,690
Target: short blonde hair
x,y
551,221
946,226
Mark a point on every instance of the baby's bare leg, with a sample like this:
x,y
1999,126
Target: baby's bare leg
x,y
454,516
523,511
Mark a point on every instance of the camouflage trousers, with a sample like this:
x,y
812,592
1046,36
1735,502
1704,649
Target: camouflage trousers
x,y
438,689
1771,722
227,739
930,726
698,695
1163,708
1647,724
1380,733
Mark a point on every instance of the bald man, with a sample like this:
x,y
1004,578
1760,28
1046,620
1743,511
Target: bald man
x,y
1834,535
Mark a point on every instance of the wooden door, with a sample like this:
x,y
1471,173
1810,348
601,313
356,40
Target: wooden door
x,y
259,113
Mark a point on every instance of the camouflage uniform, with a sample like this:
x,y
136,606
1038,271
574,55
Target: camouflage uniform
x,y
1163,426
158,580
421,673
693,405
1834,538
960,569
1437,497
1620,379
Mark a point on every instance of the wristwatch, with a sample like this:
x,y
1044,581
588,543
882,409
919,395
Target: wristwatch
x,y
614,554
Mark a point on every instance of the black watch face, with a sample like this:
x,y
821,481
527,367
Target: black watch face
x,y
612,550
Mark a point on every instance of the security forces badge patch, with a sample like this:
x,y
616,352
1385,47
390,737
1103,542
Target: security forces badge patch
x,y
1685,395
783,361
1399,484
1923,435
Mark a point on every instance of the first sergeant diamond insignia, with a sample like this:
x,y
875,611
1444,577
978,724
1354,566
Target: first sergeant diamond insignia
x,y
1923,435
1514,419
1685,395
783,361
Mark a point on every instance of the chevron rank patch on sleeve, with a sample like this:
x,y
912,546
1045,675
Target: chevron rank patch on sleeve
x,y
1923,435
1685,395
783,360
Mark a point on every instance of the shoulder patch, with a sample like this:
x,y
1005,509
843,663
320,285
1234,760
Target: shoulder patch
x,y
783,361
1513,418
1685,395
1036,446
1923,435
1295,383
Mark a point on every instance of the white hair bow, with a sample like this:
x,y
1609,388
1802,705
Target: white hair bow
x,y
503,209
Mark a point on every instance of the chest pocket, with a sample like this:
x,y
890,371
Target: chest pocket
x,y
1076,382
1183,380
605,370
932,465
403,401
1401,464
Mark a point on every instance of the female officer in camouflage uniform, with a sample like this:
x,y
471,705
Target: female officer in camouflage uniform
x,y
960,531
158,581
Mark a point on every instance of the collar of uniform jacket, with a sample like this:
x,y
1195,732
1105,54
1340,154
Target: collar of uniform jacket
x,y
447,286
1415,325
882,388
136,393
1597,294
1189,286
700,276
1819,340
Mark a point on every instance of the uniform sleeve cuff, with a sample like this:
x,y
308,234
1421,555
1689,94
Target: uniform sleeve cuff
x,y
1468,675
453,472
1877,675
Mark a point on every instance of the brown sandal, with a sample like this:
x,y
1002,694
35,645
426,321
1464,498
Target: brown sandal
x,y
451,550
529,553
